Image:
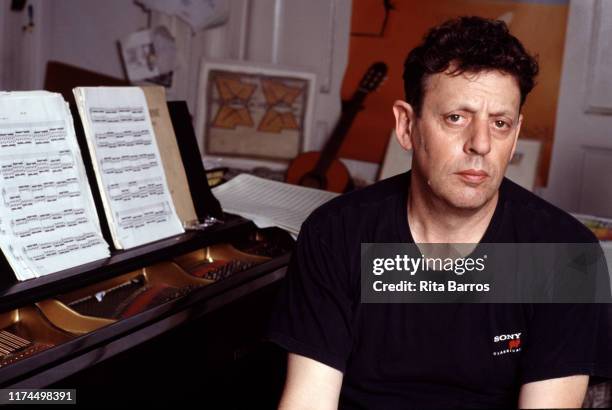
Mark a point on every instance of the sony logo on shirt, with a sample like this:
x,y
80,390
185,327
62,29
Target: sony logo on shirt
x,y
511,336
513,346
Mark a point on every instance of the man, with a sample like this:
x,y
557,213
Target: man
x,y
465,86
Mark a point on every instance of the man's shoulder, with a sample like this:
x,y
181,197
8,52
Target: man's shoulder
x,y
366,204
544,221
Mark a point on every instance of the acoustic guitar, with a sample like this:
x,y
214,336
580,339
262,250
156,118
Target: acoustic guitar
x,y
323,170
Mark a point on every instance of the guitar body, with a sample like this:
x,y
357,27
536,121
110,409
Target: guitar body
x,y
301,172
323,170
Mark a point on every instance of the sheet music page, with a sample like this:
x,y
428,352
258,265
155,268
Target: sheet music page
x,y
128,165
48,220
270,203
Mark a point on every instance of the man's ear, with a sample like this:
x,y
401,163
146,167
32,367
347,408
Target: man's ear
x,y
404,123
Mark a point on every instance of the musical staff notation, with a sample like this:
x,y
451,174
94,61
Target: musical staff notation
x,y
35,164
127,138
18,197
116,114
127,191
15,134
36,223
62,246
135,163
142,216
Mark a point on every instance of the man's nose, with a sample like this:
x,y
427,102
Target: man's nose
x,y
478,138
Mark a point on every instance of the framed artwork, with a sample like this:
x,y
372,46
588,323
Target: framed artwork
x,y
253,111
396,159
523,166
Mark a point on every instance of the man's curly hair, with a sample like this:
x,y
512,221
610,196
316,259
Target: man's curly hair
x,y
469,45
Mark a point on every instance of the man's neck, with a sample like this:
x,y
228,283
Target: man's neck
x,y
432,220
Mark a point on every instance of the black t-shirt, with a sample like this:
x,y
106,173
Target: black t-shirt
x,y
430,355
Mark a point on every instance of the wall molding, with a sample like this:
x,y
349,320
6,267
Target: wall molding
x,y
599,84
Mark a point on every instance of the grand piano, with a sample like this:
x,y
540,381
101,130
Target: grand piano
x,y
180,319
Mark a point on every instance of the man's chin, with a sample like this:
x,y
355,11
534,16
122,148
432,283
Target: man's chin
x,y
463,197
472,201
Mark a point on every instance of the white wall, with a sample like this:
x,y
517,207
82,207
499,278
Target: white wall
x,y
20,50
581,166
85,32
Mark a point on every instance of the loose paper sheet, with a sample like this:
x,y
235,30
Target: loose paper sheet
x,y
270,203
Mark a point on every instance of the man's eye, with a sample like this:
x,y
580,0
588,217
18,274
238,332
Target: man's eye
x,y
454,117
501,124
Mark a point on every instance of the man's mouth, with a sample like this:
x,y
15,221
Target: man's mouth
x,y
474,176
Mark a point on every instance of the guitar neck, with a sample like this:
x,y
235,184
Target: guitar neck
x,y
332,147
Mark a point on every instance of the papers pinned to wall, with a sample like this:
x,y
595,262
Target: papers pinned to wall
x,y
199,14
149,55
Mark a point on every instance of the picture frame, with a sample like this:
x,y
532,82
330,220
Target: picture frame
x,y
254,111
524,164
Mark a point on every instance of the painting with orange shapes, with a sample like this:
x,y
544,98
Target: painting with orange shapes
x,y
255,115
382,34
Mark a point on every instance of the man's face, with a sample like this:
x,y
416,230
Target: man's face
x,y
465,136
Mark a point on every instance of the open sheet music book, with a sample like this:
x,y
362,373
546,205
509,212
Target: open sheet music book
x,y
128,166
48,220
270,203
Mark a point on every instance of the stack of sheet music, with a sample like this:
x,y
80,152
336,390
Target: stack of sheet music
x,y
48,221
